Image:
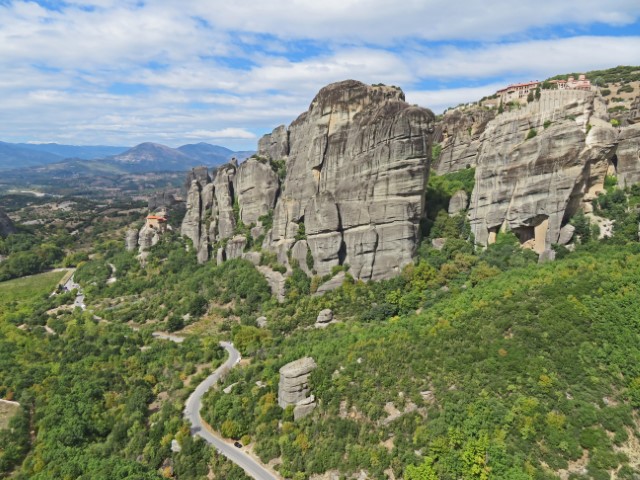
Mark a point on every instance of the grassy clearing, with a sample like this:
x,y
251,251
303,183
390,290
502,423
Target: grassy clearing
x,y
7,410
24,288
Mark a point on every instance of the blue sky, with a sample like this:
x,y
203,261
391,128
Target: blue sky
x,y
225,72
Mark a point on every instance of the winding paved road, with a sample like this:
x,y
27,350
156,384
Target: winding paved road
x,y
198,427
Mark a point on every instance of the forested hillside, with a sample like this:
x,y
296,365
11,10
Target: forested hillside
x,y
471,364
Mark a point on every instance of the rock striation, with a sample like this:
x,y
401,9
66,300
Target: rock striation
x,y
293,388
354,192
6,225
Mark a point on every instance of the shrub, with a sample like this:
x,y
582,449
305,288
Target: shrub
x,y
532,133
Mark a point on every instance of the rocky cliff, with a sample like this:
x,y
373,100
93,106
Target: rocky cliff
x,y
357,163
356,169
537,165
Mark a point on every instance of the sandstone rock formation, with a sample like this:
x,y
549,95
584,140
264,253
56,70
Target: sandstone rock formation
x,y
261,322
276,144
276,281
536,166
458,202
293,388
459,137
357,165
131,240
356,169
147,238
257,187
627,161
6,225
216,205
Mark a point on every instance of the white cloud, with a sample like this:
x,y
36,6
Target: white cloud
x,y
439,100
382,21
224,133
541,58
63,73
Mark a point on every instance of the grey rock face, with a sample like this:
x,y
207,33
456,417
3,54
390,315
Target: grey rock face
x,y
628,156
547,256
191,224
257,187
458,202
304,408
356,170
294,381
299,252
131,240
223,186
6,225
275,145
533,185
253,257
199,174
459,135
147,238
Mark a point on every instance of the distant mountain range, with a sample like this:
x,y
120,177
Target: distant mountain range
x,y
146,157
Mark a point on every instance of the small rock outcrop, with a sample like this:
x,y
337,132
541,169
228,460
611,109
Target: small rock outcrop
x,y
261,322
276,281
6,225
331,284
235,247
325,316
294,389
